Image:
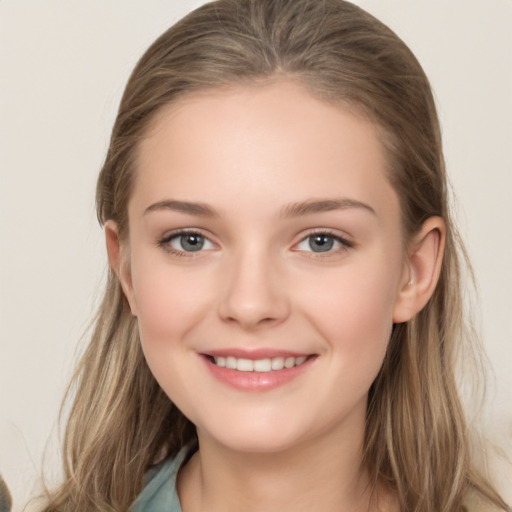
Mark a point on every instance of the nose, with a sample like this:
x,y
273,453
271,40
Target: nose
x,y
254,294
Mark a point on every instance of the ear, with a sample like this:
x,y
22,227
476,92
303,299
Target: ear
x,y
421,270
119,262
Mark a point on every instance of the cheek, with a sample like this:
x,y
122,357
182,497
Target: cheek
x,y
169,305
169,301
354,313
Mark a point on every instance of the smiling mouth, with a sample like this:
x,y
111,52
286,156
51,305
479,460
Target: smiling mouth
x,y
265,365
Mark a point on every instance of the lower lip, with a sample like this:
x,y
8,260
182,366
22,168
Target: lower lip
x,y
256,381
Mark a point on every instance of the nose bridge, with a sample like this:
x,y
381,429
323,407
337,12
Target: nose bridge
x,y
253,292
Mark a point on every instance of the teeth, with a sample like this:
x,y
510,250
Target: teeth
x,y
259,365
262,365
244,365
289,362
277,363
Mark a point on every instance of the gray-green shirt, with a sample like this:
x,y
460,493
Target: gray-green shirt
x,y
159,493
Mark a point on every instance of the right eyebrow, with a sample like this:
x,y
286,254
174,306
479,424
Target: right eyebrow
x,y
189,207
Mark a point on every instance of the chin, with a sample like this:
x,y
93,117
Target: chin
x,y
258,444
252,435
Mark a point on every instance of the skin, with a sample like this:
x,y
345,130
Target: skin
x,y
249,153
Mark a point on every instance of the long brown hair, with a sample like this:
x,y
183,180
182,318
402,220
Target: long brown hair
x,y
417,442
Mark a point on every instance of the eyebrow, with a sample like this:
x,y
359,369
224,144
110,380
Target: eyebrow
x,y
192,208
323,205
291,210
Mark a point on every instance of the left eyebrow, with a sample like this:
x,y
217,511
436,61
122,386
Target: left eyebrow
x,y
323,205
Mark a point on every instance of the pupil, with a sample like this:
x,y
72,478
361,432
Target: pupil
x,y
192,242
321,243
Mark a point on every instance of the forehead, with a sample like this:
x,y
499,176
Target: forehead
x,y
271,142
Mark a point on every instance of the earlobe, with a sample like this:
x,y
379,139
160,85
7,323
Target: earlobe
x,y
422,270
119,261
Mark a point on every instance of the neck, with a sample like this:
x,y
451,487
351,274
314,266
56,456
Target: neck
x,y
324,474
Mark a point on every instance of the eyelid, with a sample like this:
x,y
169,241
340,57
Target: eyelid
x,y
164,241
345,243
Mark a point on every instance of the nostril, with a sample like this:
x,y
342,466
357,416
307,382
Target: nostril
x,y
266,320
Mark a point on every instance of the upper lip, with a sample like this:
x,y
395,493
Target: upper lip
x,y
256,353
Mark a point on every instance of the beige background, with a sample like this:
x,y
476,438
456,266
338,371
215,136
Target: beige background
x,y
63,65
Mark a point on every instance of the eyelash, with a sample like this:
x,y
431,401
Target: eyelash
x,y
345,244
164,243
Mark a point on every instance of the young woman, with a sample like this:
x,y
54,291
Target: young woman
x,y
280,326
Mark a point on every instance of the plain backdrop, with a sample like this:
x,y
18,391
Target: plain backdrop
x,y
63,66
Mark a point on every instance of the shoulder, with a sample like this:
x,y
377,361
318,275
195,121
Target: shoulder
x,y
159,493
474,504
487,508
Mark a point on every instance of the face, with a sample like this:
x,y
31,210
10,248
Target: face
x,y
265,264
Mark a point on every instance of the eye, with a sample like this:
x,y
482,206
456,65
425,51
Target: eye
x,y
322,242
185,242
